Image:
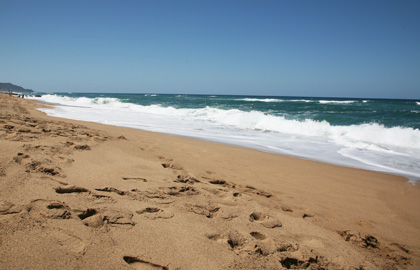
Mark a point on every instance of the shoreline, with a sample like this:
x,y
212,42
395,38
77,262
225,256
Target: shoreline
x,y
410,178
217,142
176,202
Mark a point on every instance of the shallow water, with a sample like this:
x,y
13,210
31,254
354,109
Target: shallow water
x,y
381,135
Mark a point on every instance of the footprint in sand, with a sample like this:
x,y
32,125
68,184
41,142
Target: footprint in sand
x,y
367,241
258,235
7,208
216,237
59,210
82,147
233,238
38,166
20,156
87,213
71,189
118,218
221,182
186,179
265,220
49,209
153,195
287,247
155,213
240,244
305,259
94,221
167,165
286,208
97,218
236,239
69,242
206,210
264,248
228,213
259,244
111,189
135,179
102,197
180,190
138,263
258,192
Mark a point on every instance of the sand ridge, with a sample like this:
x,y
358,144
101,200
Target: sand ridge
x,y
79,195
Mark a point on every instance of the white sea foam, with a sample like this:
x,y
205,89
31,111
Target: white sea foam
x,y
301,100
398,165
275,100
337,101
255,120
262,99
418,103
367,146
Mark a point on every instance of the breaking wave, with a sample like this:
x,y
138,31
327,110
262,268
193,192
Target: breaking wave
x,y
262,99
354,135
337,101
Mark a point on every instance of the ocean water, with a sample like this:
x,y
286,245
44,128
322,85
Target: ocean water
x,y
374,134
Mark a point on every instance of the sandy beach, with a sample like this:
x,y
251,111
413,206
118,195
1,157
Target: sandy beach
x,y
79,195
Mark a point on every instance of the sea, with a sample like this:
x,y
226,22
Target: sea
x,y
374,134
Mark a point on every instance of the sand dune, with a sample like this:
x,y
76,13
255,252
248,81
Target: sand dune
x,y
77,195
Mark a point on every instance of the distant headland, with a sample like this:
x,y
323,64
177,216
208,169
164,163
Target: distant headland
x,y
6,87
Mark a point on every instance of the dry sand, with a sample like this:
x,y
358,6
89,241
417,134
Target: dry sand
x,y
77,195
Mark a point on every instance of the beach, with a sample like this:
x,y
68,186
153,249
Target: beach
x,y
83,195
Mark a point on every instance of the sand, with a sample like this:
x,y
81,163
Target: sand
x,y
79,195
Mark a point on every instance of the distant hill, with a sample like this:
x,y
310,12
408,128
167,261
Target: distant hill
x,y
4,87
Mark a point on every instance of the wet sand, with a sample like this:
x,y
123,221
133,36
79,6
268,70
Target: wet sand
x,y
79,195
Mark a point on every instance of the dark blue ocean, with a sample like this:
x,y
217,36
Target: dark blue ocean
x,y
375,134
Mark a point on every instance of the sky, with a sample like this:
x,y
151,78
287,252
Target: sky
x,y
346,48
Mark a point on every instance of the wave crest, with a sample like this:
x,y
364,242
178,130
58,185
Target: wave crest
x,y
337,101
355,135
262,99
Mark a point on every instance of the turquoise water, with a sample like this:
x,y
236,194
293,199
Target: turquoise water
x,y
376,134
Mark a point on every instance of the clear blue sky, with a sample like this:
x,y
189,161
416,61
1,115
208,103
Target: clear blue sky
x,y
301,48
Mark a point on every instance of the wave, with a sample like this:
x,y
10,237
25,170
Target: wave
x,y
81,100
337,101
275,100
418,103
361,136
262,99
302,100
381,162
